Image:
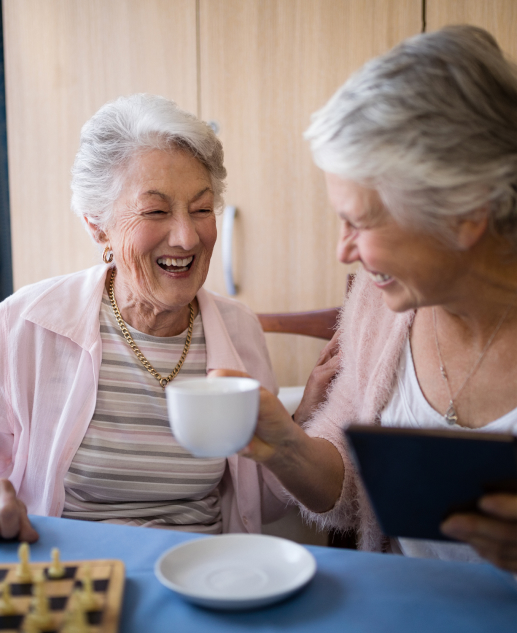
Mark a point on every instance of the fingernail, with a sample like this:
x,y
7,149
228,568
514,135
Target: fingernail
x,y
451,528
488,504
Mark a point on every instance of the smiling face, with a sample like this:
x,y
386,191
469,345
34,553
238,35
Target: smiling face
x,y
163,231
412,268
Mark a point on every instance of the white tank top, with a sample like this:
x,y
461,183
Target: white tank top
x,y
409,408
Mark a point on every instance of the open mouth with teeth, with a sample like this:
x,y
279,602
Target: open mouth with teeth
x,y
175,264
380,278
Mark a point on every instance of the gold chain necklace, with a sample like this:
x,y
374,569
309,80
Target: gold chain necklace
x,y
163,381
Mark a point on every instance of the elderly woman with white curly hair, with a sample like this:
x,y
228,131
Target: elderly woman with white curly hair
x,y
84,431
419,149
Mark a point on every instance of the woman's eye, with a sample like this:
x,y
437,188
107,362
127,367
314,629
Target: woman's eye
x,y
205,211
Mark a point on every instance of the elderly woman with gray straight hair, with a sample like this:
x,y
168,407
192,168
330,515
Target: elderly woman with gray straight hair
x,y
84,430
419,150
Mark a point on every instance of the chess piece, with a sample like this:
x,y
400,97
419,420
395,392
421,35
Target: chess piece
x,y
87,597
76,617
40,613
56,570
29,625
6,602
23,571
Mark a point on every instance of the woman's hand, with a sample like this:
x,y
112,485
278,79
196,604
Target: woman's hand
x,y
320,380
274,426
310,468
494,534
274,434
14,522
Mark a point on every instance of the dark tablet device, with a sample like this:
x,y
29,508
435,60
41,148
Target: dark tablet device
x,y
416,478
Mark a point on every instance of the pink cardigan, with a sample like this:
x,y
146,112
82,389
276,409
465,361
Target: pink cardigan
x,y
372,339
49,369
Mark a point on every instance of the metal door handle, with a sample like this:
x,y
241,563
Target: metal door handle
x,y
227,243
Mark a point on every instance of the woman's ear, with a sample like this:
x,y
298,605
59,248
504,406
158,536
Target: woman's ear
x,y
471,230
98,234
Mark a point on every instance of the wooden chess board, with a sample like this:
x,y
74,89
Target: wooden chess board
x,y
108,585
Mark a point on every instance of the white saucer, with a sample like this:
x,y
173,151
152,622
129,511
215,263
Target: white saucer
x,y
236,571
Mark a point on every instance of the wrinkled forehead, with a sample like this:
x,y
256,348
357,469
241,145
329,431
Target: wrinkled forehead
x,y
159,171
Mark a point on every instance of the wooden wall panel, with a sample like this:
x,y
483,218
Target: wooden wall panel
x,y
265,67
64,59
497,16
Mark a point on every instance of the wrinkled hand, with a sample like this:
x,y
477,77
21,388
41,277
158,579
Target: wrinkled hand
x,y
494,534
311,469
14,522
320,380
274,425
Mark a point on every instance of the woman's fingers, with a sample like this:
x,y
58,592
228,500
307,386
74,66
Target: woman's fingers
x,y
273,431
14,522
272,426
9,510
330,350
317,387
258,450
476,526
494,535
501,505
500,554
27,533
220,373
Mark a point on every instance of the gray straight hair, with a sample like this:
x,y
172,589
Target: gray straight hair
x,y
432,126
121,130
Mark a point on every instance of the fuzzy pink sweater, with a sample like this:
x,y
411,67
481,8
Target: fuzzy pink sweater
x,y
371,341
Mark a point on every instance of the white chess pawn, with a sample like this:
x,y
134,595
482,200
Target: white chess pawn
x,y
6,602
23,571
56,570
87,597
41,609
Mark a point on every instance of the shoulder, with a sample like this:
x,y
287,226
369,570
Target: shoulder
x,y
63,305
230,325
26,295
226,303
372,339
229,308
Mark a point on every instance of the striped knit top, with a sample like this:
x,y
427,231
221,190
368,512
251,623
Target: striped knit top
x,y
129,469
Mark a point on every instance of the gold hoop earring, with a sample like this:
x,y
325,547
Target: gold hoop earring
x,y
107,255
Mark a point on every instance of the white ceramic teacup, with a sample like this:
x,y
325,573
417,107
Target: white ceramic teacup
x,y
213,417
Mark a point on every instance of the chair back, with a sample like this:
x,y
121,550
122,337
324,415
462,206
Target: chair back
x,y
316,323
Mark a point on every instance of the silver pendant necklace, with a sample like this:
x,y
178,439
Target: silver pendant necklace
x,y
451,415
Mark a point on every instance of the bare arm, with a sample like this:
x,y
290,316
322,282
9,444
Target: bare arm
x,y
14,522
310,468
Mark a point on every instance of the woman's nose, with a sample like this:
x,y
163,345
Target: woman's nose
x,y
183,233
347,251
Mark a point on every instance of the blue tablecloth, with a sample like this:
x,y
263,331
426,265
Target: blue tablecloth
x,y
352,591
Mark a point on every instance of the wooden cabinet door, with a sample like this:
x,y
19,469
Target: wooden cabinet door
x,y
258,68
265,66
497,16
63,60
